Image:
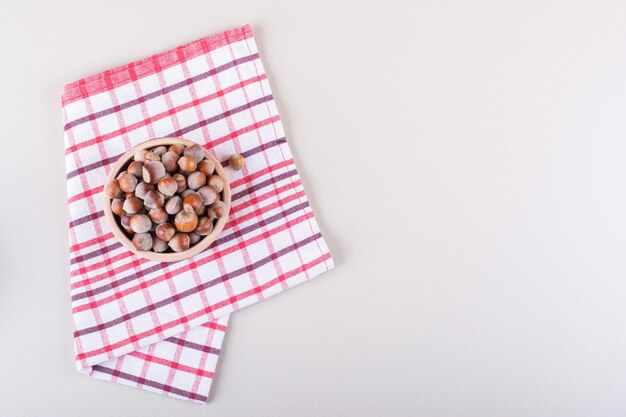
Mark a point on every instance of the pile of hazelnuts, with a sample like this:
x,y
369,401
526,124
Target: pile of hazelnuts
x,y
168,199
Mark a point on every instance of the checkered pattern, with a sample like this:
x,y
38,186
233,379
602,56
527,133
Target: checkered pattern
x,y
160,326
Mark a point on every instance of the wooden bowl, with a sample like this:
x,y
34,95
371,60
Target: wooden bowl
x,y
165,256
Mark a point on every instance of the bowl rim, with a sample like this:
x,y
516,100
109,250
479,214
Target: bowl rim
x,y
172,256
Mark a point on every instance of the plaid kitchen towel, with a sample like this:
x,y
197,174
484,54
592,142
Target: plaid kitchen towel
x,y
160,326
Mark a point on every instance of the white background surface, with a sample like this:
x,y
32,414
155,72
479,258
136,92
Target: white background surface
x,y
466,160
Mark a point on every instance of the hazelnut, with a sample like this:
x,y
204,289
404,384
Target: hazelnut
x,y
117,206
151,156
187,192
135,168
142,241
112,189
177,149
170,161
179,242
217,210
192,203
196,151
202,210
125,220
181,181
132,205
120,175
236,162
140,223
174,205
186,221
153,171
196,180
204,227
158,245
159,151
158,215
194,238
140,155
208,194
153,199
216,182
187,164
142,188
128,182
165,231
168,186
207,167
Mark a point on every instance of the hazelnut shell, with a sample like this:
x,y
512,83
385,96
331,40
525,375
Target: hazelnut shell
x,y
135,168
208,194
187,164
132,205
187,192
151,156
170,161
177,149
159,151
196,151
128,182
165,231
207,167
112,189
125,220
186,221
194,238
180,242
196,180
158,215
140,155
181,181
142,188
192,203
174,205
153,171
204,227
154,199
167,186
158,245
117,206
140,223
142,241
217,210
216,182
236,162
